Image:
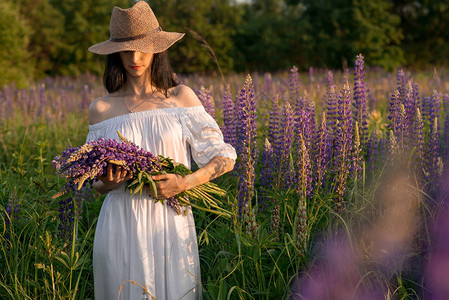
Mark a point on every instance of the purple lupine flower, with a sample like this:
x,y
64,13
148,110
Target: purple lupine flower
x,y
357,157
431,156
267,172
360,98
303,169
445,102
416,97
343,144
392,149
85,194
275,221
320,153
228,117
310,108
393,110
85,99
246,144
301,236
205,97
401,85
66,218
274,121
293,86
419,142
283,148
401,126
426,108
372,150
331,104
410,105
434,108
446,126
303,121
83,163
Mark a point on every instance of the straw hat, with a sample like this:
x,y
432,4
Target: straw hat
x,y
136,29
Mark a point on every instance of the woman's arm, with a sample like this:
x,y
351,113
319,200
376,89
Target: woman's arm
x,y
172,184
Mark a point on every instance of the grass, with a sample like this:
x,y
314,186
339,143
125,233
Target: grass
x,y
240,258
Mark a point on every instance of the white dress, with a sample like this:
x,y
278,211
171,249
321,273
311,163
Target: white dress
x,y
138,240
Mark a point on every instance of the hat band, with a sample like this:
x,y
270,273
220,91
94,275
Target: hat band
x,y
136,37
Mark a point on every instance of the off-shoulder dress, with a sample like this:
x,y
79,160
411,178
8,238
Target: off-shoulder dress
x,y
139,240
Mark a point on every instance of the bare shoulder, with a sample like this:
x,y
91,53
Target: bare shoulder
x,y
97,109
184,96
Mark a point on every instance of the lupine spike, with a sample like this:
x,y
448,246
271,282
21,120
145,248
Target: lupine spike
x,y
401,84
283,148
331,104
246,145
301,226
343,145
372,149
393,150
293,84
229,117
393,110
321,152
357,153
205,97
269,168
273,125
360,98
303,170
432,153
275,221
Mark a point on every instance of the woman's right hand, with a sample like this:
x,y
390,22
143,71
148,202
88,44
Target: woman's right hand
x,y
112,179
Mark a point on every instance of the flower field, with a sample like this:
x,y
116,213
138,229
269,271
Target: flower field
x,y
339,191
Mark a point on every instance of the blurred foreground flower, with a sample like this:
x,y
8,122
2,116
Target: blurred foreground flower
x,y
360,263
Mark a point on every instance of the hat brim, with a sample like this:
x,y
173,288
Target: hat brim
x,y
155,43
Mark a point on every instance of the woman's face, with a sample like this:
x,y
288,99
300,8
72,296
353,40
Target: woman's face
x,y
136,63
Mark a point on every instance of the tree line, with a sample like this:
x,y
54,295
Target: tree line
x,y
41,38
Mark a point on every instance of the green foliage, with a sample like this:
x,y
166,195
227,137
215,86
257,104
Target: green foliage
x,y
15,62
51,37
377,33
426,31
87,22
214,20
271,38
341,29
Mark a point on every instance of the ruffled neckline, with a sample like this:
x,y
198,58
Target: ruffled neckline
x,y
146,113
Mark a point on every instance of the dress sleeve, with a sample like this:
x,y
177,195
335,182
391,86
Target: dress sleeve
x,y
205,137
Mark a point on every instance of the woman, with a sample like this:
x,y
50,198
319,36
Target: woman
x,y
139,240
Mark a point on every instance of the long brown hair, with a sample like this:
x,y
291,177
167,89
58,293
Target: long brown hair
x,y
162,76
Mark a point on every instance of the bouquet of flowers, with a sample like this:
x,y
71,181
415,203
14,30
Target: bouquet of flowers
x,y
84,163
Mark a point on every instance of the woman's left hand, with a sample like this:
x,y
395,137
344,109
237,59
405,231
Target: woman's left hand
x,y
168,186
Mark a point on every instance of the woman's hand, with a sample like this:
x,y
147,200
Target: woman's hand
x,y
168,186
113,178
